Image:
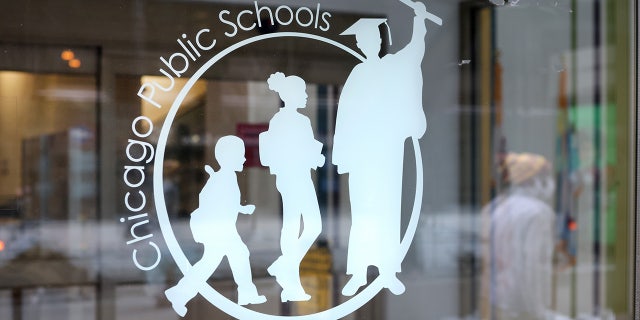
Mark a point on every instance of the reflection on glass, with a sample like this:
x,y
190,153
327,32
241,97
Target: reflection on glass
x,y
48,206
527,175
518,240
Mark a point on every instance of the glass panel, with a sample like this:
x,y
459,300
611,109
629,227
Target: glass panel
x,y
58,303
523,180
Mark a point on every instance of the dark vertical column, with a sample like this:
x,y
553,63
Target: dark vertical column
x,y
98,205
470,150
16,303
597,138
335,189
636,266
324,189
621,105
571,154
636,184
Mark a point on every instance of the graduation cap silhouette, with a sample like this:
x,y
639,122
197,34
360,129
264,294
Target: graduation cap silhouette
x,y
371,25
367,26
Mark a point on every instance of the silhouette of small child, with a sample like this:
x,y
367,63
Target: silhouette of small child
x,y
213,224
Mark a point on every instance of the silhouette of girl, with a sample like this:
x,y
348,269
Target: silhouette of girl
x,y
290,151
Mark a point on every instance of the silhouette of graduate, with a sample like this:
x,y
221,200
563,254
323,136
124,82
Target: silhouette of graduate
x,y
379,108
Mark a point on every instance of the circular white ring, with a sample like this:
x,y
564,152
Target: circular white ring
x,y
213,296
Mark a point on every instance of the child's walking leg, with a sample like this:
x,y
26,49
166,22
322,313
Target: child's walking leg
x,y
193,280
241,269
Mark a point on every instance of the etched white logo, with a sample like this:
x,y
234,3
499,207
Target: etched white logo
x,y
379,108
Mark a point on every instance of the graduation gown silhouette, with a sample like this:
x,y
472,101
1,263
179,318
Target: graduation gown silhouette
x,y
380,107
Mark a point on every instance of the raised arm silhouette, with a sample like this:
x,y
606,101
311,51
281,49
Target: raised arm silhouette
x,y
380,107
